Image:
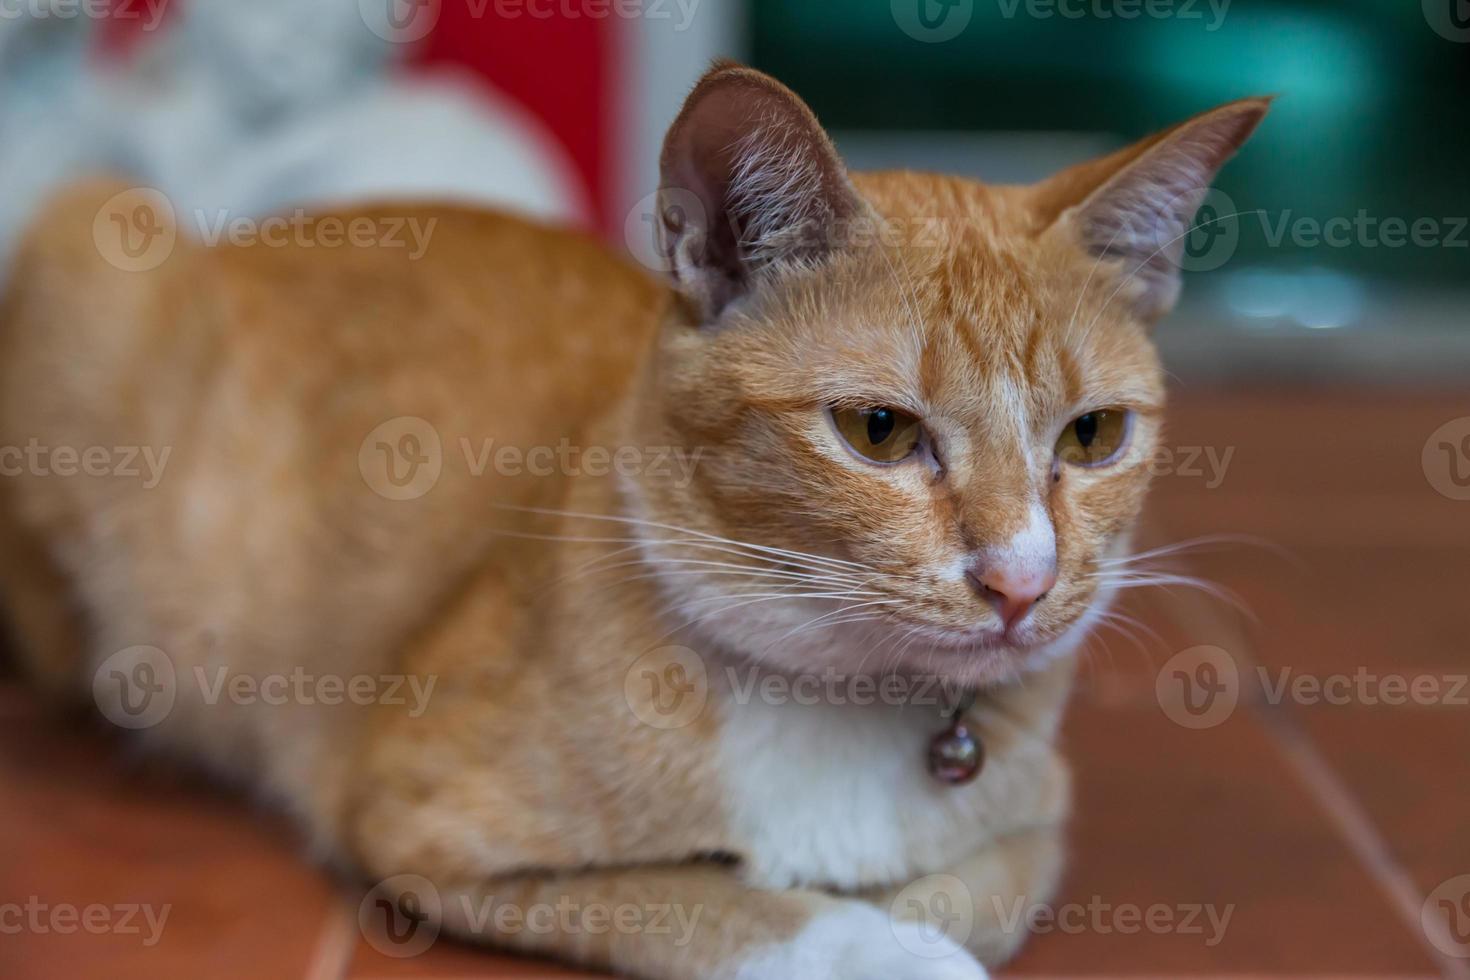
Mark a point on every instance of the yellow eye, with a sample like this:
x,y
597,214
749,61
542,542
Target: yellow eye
x,y
1095,438
884,435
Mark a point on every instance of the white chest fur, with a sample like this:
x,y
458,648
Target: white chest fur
x,y
838,794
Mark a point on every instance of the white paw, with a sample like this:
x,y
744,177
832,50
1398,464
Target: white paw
x,y
860,942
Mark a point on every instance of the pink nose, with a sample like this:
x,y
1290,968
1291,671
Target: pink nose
x,y
1013,594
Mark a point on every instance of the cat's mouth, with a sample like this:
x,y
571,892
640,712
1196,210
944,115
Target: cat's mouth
x,y
1020,649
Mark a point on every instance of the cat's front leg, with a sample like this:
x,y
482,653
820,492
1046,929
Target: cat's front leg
x,y
693,922
982,902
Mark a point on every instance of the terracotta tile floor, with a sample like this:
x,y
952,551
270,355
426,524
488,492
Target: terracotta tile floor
x,y
1323,820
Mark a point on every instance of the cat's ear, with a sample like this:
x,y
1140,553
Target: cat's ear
x,y
1138,204
749,182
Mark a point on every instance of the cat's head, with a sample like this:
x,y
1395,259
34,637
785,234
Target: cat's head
x,y
923,405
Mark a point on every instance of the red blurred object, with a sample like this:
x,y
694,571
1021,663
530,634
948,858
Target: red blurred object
x,y
561,68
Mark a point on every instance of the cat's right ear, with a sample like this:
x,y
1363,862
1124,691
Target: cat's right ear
x,y
1136,206
749,182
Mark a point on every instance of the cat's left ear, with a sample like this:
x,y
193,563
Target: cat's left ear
x,y
750,182
1137,205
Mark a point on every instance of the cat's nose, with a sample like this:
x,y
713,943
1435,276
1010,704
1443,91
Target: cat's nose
x,y
1011,591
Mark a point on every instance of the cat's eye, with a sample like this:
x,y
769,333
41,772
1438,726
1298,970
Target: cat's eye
x,y
883,435
1094,438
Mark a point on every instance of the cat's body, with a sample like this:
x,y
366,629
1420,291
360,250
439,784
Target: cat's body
x,y
547,756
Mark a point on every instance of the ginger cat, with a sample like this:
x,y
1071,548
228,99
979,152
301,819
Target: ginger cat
x,y
909,414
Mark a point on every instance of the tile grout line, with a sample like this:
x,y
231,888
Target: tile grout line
x,y
1342,809
332,956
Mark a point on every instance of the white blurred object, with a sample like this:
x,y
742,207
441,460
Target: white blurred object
x,y
248,109
255,107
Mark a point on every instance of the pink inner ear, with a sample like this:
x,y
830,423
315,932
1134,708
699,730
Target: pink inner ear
x,y
1143,200
757,174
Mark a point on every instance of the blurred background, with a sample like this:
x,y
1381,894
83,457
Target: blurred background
x,y
1320,447
1339,234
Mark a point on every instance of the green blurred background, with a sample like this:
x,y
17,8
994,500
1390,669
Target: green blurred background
x,y
1374,111
1370,133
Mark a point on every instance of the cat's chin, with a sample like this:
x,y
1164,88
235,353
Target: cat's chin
x,y
971,659
987,657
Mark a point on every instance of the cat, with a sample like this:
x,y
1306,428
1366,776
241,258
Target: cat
x,y
910,413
